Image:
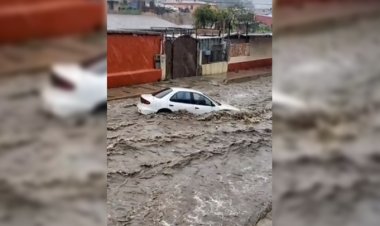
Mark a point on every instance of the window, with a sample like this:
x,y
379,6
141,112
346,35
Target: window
x,y
97,64
201,100
181,97
160,94
99,67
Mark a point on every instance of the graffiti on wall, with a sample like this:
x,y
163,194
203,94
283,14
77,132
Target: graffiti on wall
x,y
239,49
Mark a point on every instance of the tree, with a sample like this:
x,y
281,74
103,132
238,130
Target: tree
x,y
232,18
223,17
152,5
243,18
205,17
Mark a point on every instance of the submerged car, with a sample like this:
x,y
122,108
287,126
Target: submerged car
x,y
180,99
76,89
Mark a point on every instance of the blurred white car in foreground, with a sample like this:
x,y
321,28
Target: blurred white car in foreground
x,y
76,89
180,99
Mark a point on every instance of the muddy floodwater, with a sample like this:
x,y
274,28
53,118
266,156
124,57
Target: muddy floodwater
x,y
52,173
326,163
181,169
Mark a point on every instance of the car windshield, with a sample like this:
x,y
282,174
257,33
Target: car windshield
x,y
160,94
214,101
99,68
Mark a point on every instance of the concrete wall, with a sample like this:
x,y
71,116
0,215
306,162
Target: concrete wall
x,y
239,50
257,48
131,59
257,53
163,66
214,68
22,20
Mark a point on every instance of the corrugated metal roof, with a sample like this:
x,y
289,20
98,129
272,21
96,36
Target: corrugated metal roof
x,y
133,32
251,34
117,22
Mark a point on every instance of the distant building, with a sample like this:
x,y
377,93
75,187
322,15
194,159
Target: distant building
x,y
137,22
115,6
187,5
264,19
263,11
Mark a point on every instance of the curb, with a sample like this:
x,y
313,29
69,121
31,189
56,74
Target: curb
x,y
246,78
122,97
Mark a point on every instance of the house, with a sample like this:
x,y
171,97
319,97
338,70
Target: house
x,y
114,6
136,22
250,51
187,5
194,55
117,6
264,19
213,55
135,49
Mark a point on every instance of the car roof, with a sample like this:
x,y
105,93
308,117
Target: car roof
x,y
176,89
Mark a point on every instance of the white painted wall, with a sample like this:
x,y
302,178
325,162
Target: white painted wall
x,y
163,66
214,68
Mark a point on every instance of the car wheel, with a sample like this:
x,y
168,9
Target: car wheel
x,y
100,108
164,110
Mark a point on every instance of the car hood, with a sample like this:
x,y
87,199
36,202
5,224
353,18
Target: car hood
x,y
228,107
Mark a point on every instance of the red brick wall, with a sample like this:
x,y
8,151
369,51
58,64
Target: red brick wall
x,y
27,2
131,59
249,65
22,20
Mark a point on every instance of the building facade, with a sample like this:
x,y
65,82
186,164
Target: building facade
x,y
124,6
187,5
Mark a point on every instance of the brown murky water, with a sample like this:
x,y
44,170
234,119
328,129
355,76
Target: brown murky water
x,y
180,169
51,172
327,170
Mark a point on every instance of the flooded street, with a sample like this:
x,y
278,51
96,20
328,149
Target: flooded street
x,y
181,169
327,169
51,172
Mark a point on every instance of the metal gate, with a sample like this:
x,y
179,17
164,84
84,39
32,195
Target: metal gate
x,y
181,57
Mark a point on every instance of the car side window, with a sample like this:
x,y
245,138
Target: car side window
x,y
201,100
181,97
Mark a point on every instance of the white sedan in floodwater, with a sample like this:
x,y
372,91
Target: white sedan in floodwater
x,y
180,99
75,89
